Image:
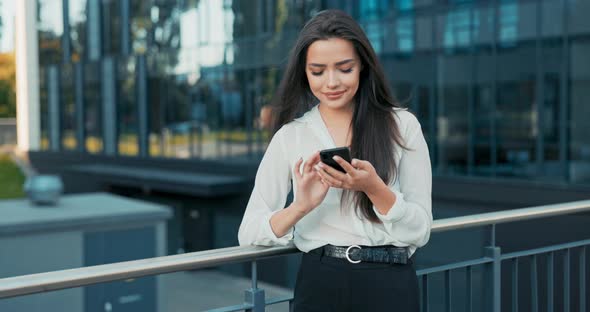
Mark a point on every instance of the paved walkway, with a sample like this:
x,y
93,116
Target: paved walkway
x,y
209,289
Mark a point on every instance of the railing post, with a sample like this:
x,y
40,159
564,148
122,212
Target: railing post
x,y
494,276
254,295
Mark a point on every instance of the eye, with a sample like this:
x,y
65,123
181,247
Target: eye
x,y
317,73
346,71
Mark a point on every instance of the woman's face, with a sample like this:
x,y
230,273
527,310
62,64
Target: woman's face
x,y
333,69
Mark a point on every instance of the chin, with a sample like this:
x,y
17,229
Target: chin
x,y
339,104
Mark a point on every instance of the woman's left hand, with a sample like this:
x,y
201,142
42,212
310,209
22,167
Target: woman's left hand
x,y
360,175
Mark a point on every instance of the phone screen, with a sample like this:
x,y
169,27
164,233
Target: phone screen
x,y
326,156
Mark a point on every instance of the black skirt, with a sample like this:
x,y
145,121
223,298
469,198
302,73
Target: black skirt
x,y
333,284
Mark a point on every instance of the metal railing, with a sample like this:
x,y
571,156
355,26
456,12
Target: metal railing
x,y
255,300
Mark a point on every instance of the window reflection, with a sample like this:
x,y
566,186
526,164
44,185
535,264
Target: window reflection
x,y
127,112
111,26
92,108
68,119
578,23
552,50
517,111
43,107
50,29
579,95
452,105
508,19
78,33
460,23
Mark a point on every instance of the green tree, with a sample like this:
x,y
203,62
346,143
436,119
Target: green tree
x,y
7,85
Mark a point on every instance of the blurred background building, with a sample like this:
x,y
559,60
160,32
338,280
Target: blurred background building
x,y
7,78
160,99
500,87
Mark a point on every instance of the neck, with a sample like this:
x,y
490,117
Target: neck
x,y
336,117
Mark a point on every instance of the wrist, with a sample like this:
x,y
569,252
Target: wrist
x,y
375,188
300,208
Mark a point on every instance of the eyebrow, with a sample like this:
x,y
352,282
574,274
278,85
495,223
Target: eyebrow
x,y
337,63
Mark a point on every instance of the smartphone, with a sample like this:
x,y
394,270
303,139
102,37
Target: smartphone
x,y
327,154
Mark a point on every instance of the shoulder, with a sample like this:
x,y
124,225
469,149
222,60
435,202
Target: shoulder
x,y
305,118
292,127
288,130
406,121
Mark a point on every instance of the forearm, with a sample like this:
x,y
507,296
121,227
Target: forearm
x,y
381,197
282,221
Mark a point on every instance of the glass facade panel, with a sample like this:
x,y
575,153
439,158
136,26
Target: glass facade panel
x,y
482,120
578,22
155,26
516,120
457,68
67,99
155,101
50,29
552,18
500,87
78,28
551,119
111,26
452,107
43,114
127,112
92,107
579,95
482,123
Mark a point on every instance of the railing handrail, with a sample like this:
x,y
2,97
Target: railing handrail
x,y
56,280
512,215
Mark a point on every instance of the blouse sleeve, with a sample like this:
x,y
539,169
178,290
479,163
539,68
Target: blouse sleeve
x,y
271,187
410,218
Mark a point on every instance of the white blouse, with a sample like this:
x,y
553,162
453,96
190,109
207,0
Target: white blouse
x,y
407,223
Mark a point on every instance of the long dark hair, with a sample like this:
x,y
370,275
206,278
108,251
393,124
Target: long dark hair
x,y
374,129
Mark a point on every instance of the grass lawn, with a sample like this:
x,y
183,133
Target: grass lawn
x,y
11,179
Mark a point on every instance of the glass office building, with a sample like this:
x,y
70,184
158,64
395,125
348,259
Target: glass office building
x,y
501,87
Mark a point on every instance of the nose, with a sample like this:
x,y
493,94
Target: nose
x,y
333,80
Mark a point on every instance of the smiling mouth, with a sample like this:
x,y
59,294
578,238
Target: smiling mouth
x,y
334,94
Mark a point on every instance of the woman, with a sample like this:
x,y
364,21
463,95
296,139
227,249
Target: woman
x,y
356,229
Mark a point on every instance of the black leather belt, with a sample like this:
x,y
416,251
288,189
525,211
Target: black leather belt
x,y
377,254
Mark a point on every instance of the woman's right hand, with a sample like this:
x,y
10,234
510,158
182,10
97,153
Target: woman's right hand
x,y
311,191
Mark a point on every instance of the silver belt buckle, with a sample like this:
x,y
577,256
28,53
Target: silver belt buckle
x,y
348,257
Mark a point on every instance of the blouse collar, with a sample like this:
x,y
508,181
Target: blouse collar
x,y
314,120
